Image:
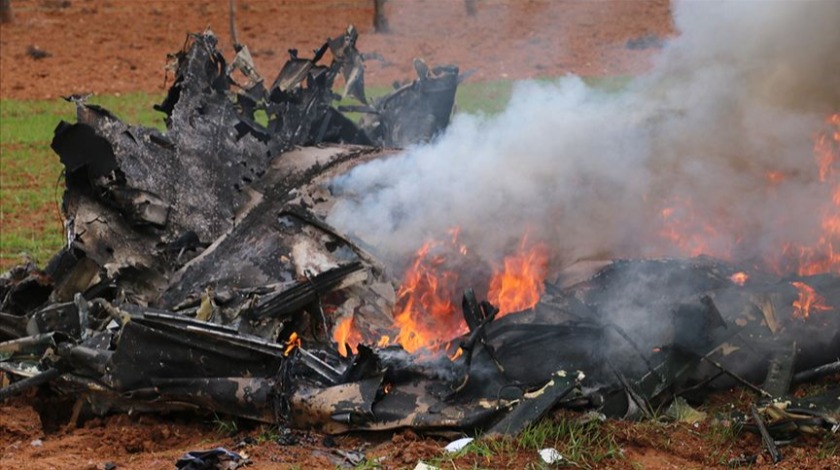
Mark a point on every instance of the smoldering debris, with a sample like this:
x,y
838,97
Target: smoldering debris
x,y
200,275
737,95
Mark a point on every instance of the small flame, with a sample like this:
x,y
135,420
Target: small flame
x,y
694,232
345,335
455,232
824,149
685,229
739,278
293,342
822,256
808,301
520,284
775,177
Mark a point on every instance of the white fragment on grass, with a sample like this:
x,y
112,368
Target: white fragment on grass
x,y
591,416
550,455
424,466
457,445
37,443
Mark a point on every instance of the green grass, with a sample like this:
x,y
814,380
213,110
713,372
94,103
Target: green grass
x,y
485,97
828,448
30,172
582,444
226,425
724,436
492,97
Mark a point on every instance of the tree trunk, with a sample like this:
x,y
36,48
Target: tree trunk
x,y
233,37
5,11
380,22
471,7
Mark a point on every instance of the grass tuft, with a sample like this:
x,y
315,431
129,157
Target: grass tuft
x,y
582,444
226,427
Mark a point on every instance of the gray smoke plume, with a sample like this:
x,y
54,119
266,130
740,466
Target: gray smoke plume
x,y
689,147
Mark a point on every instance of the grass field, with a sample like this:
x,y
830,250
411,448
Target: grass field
x,y
30,172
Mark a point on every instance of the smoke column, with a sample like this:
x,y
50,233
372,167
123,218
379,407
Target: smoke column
x,y
736,96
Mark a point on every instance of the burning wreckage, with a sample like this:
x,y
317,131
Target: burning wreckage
x,y
200,274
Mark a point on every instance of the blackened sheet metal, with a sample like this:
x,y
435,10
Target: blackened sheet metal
x,y
144,354
573,347
23,289
158,359
257,251
246,397
535,405
79,147
338,408
350,62
780,371
341,409
301,293
209,161
133,191
29,383
292,74
769,442
416,112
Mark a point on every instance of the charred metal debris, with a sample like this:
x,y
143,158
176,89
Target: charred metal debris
x,y
199,274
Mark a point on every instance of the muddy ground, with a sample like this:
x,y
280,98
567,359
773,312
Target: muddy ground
x,y
118,46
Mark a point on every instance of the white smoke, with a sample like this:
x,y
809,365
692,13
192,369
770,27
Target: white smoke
x,y
739,93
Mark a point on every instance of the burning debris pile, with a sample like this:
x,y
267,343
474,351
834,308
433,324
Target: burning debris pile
x,y
200,274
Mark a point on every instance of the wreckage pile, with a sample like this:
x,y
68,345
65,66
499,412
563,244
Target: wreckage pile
x,y
199,274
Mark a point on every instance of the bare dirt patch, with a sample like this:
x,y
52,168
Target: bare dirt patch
x,y
120,46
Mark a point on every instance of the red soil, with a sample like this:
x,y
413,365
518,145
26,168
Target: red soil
x,y
120,46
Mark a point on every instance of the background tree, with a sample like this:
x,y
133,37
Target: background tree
x,y
380,22
471,7
5,11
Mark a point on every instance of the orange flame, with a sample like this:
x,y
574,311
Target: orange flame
x,y
689,233
520,284
739,278
346,335
293,342
822,256
808,301
695,233
825,148
427,316
775,177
